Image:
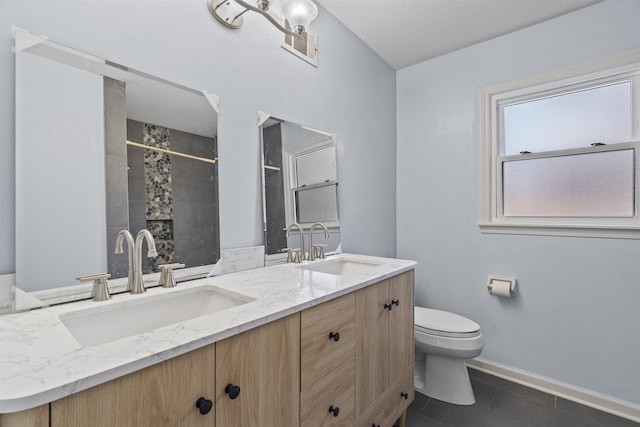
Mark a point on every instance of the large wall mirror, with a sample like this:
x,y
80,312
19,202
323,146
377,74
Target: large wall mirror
x,y
101,148
300,184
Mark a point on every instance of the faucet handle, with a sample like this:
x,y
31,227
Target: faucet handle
x,y
293,255
318,251
167,280
289,254
100,291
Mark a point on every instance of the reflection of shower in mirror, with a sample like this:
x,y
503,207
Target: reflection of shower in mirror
x,y
74,112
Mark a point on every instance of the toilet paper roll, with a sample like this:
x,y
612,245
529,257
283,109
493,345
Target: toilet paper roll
x,y
502,287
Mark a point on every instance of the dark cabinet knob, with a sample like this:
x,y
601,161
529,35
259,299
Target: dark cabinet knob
x,y
334,410
396,302
204,405
404,395
388,306
232,390
334,336
375,425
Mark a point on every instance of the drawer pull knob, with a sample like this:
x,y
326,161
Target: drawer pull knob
x,y
232,390
388,307
396,302
334,336
334,410
404,395
204,405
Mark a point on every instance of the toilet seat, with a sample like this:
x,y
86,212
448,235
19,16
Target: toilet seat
x,y
444,324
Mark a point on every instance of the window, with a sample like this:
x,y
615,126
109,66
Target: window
x,y
312,184
561,152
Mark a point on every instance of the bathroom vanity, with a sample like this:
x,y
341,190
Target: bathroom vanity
x,y
324,343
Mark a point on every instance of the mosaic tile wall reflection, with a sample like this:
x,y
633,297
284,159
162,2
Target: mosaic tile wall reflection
x,y
157,173
175,198
162,232
159,193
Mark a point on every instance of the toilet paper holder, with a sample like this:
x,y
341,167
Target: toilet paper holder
x,y
502,286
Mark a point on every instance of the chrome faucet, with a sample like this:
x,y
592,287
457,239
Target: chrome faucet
x,y
125,234
295,224
312,255
137,286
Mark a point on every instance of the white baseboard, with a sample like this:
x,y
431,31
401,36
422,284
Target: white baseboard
x,y
576,394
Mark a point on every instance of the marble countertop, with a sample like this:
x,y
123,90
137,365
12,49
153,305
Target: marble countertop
x,y
40,361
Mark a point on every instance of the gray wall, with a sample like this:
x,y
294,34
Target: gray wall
x,y
118,178
351,93
577,313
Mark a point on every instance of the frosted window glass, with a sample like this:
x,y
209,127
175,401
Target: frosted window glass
x,y
583,185
317,167
319,204
571,120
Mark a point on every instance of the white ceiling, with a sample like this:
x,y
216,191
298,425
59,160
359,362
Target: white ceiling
x,y
406,32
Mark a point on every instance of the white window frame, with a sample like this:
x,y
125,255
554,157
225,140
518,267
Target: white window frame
x,y
619,68
291,186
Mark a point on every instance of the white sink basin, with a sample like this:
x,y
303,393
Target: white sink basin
x,y
115,320
341,267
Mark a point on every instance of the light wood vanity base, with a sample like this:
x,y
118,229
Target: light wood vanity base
x,y
345,362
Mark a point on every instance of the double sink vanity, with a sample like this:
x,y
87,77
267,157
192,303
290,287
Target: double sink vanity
x,y
325,342
319,343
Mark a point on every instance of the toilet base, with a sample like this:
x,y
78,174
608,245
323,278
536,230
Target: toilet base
x,y
444,378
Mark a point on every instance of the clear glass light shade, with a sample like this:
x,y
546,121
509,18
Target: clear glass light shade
x,y
299,13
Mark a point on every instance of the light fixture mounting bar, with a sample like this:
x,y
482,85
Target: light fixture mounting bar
x,y
229,14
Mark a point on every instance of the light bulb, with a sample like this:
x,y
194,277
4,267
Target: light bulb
x,y
299,13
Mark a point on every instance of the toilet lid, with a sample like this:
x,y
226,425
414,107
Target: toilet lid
x,y
443,321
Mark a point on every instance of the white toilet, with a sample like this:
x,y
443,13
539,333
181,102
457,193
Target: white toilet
x,y
444,341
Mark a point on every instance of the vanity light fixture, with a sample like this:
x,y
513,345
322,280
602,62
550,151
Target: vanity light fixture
x,y
298,13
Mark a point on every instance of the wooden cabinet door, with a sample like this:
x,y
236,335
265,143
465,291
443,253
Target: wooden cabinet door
x,y
401,351
36,417
161,395
372,344
265,364
391,405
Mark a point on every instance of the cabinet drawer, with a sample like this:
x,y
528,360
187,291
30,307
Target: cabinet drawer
x,y
335,389
400,395
392,404
320,353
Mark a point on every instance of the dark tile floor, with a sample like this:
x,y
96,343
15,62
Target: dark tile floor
x,y
501,403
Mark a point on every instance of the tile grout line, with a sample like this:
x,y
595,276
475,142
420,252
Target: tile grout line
x,y
493,396
425,404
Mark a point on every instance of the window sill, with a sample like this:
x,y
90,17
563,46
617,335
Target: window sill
x,y
567,230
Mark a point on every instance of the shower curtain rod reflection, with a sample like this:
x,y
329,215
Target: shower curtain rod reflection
x,y
175,153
